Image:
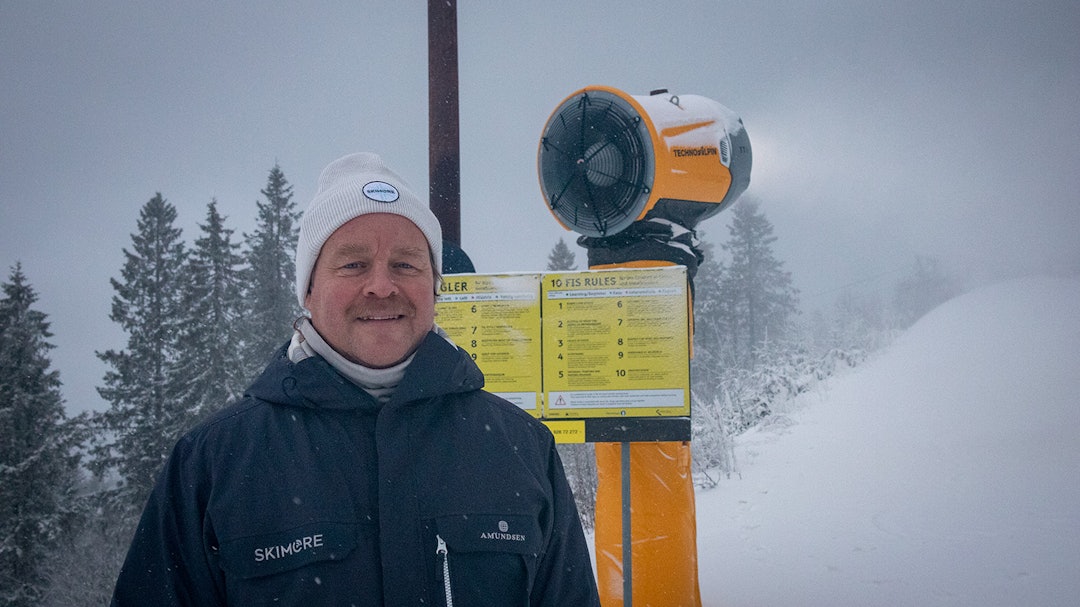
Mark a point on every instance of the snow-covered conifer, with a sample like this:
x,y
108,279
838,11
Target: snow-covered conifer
x,y
270,295
561,258
759,296
143,419
206,374
38,462
926,286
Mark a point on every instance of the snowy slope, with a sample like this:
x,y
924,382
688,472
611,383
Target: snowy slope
x,y
946,471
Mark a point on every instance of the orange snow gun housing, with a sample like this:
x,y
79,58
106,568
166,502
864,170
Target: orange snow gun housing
x,y
607,159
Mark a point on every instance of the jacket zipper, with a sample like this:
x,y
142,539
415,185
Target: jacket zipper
x,y
444,557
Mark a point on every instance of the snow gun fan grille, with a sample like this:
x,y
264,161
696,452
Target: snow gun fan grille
x,y
596,163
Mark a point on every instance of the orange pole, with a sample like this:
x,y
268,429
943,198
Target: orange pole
x,y
663,520
664,527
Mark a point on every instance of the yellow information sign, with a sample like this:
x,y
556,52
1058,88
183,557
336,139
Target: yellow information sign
x,y
574,346
616,343
496,319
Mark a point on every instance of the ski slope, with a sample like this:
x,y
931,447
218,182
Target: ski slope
x,y
945,471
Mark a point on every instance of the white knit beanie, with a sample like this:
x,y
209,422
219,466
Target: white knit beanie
x,y
349,187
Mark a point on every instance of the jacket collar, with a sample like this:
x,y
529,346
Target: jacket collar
x,y
438,368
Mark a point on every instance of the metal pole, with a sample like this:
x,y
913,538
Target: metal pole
x,y
627,536
444,162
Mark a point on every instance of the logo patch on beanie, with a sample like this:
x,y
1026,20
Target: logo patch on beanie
x,y
380,191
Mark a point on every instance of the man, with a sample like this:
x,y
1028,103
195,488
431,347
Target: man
x,y
365,466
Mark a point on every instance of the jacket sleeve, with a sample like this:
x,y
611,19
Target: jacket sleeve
x,y
172,559
565,575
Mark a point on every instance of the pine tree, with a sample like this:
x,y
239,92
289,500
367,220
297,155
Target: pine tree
x,y
38,462
271,274
758,298
561,258
926,286
143,420
206,374
859,322
711,336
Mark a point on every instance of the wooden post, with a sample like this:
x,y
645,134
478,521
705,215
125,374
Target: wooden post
x,y
444,155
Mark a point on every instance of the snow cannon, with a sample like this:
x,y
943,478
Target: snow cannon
x,y
608,159
635,175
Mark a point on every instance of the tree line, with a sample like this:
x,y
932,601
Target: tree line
x,y
754,349
742,298
202,319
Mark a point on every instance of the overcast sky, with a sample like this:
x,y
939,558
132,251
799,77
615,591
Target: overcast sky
x,y
880,131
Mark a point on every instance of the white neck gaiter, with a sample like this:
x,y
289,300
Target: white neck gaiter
x,y
379,383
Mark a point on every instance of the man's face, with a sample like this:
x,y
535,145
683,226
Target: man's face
x,y
372,296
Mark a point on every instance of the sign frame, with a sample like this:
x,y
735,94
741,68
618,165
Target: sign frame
x,y
596,355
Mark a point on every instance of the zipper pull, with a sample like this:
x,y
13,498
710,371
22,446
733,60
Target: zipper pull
x,y
441,548
444,556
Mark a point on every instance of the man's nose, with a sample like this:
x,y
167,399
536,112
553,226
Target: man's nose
x,y
380,282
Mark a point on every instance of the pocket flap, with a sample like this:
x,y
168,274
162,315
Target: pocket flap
x,y
491,532
271,553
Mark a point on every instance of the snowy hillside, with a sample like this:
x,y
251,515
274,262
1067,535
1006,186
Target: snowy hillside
x,y
945,471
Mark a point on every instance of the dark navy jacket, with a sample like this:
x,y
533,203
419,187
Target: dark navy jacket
x,y
309,493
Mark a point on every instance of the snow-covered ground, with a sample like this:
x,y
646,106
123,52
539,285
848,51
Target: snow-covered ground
x,y
945,471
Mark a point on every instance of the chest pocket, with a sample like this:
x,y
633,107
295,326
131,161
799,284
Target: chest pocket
x,y
273,553
492,558
290,566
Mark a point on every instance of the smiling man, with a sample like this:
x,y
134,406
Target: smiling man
x,y
357,468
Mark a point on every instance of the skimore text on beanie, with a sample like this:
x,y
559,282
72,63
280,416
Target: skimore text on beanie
x,y
349,187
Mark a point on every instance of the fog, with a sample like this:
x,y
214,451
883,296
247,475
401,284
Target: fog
x,y
881,131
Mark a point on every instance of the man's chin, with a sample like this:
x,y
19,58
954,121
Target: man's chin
x,y
380,355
